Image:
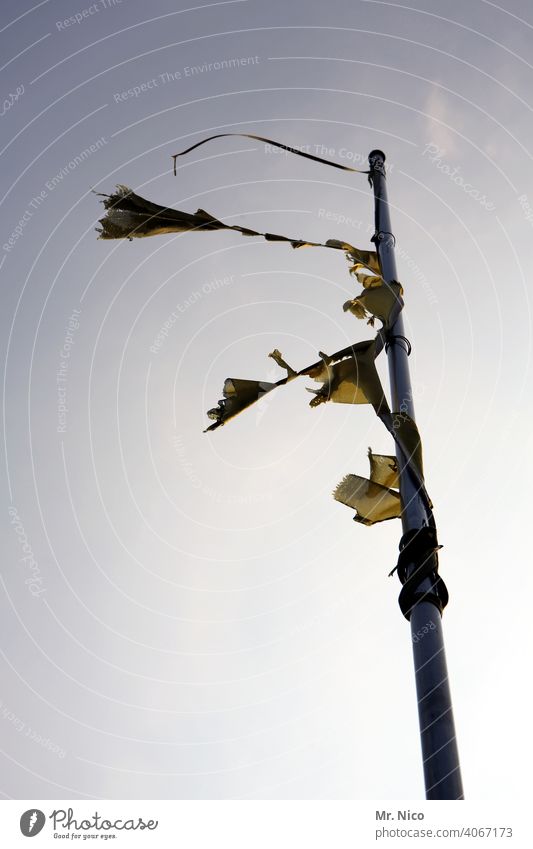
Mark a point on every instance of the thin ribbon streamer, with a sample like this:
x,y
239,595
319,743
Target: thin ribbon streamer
x,y
268,141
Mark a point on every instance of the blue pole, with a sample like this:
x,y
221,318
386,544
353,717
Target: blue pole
x,y
442,772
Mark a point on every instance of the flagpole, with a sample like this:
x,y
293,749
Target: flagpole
x,y
442,773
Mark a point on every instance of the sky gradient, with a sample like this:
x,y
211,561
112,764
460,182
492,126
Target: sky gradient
x,y
189,615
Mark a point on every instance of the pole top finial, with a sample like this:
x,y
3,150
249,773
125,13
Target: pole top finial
x,y
376,154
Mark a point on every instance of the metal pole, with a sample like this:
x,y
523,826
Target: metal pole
x,y
442,773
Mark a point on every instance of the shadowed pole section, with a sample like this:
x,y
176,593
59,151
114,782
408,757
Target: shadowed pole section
x,y
442,774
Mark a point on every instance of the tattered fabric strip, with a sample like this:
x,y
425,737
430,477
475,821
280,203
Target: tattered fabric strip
x,y
406,436
405,433
360,258
352,380
347,377
374,499
384,302
268,141
130,216
372,502
239,394
384,469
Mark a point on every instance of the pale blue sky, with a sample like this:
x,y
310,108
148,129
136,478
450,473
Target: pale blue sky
x,y
206,621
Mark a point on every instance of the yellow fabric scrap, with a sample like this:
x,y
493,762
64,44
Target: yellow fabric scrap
x,y
352,380
360,258
384,470
382,301
371,501
374,499
238,395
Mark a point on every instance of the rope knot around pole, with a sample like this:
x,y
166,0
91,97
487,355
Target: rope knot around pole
x,y
391,340
418,549
382,236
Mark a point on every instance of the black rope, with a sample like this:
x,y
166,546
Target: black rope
x,y
380,235
419,548
391,340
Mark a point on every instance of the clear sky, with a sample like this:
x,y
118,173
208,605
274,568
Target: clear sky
x,y
189,615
